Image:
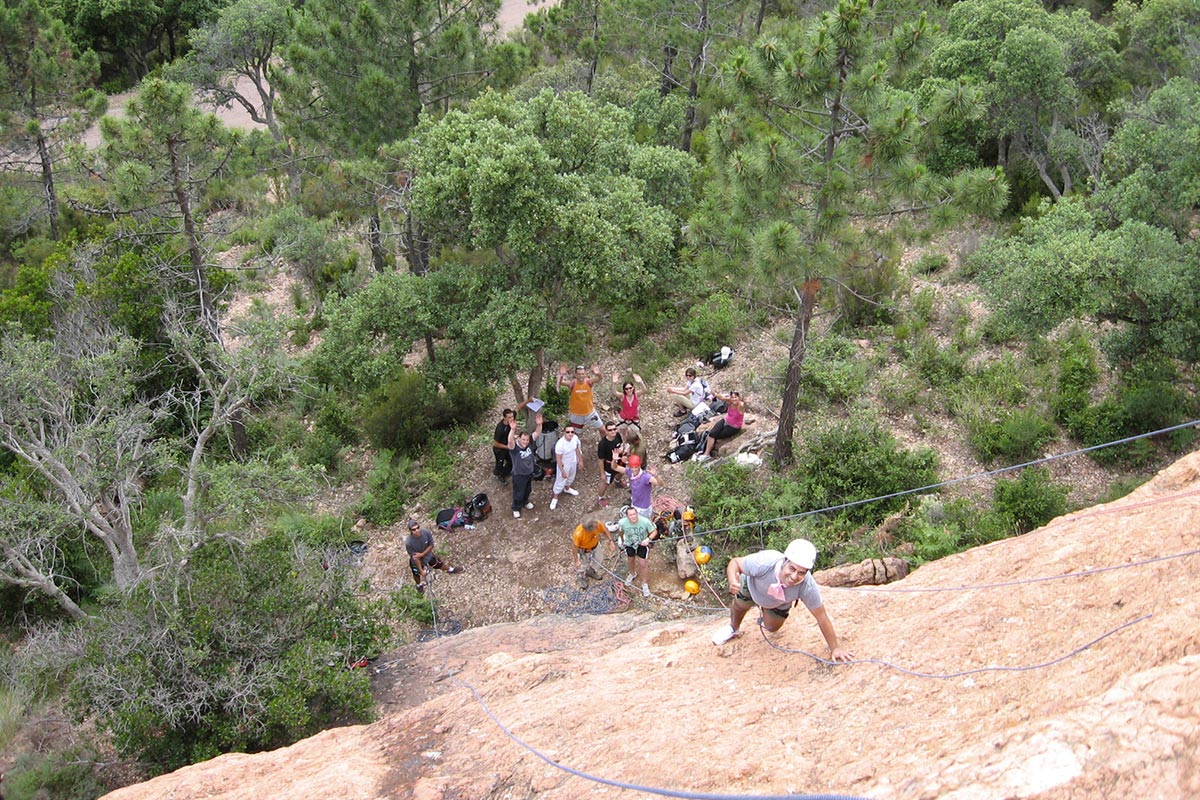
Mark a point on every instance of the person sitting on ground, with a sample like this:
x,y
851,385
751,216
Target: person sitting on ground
x,y
637,532
586,538
691,395
523,463
629,413
566,465
607,451
723,426
419,546
581,405
774,582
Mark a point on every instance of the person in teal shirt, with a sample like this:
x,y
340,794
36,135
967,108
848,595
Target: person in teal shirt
x,y
637,533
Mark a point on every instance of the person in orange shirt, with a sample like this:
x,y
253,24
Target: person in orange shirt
x,y
581,407
586,539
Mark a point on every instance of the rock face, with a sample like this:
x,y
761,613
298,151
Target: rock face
x,y
868,572
630,700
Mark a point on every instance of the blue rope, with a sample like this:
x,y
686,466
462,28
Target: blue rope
x,y
638,787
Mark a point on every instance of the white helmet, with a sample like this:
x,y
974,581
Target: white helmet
x,y
802,553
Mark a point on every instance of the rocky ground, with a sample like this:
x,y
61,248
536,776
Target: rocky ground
x,y
1068,664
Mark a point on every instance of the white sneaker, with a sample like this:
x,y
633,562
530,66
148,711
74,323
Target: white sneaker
x,y
700,457
645,590
554,504
516,515
572,492
724,634
529,506
629,579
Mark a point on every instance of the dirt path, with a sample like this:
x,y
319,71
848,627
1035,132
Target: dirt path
x,y
512,14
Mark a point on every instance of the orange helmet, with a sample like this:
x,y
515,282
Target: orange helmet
x,y
635,461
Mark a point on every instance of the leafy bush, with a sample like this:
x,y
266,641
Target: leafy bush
x,y
58,774
388,489
833,370
256,653
930,263
708,326
402,414
856,459
1077,376
1031,500
1011,436
941,367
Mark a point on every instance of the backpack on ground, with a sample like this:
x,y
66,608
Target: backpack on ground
x,y
449,518
721,358
478,507
681,453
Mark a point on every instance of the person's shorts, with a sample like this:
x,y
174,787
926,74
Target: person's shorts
x,y
609,476
592,420
637,551
744,596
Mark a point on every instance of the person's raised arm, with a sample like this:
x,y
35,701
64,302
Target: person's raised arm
x,y
537,429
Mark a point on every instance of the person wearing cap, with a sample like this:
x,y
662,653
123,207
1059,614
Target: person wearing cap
x,y
586,538
419,546
581,405
641,483
774,582
691,395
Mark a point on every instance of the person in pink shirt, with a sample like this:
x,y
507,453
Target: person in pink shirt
x,y
724,426
628,415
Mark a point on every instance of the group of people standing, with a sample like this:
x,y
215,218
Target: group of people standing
x,y
620,453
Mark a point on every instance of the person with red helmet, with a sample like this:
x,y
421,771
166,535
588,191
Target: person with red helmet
x,y
641,484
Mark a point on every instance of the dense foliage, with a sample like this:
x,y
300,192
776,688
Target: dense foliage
x,y
462,210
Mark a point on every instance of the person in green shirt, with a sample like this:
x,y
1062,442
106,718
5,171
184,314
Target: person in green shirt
x,y
637,533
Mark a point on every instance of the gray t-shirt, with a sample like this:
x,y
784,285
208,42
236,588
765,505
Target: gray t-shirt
x,y
759,571
418,543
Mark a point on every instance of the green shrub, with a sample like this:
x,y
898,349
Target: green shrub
x,y
1031,500
1077,376
403,413
941,367
1010,436
856,459
388,489
708,326
555,398
930,263
411,604
631,323
833,370
256,654
54,774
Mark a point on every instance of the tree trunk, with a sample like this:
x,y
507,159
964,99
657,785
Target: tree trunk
x,y
668,75
783,451
208,315
594,63
51,194
416,246
762,12
689,115
375,240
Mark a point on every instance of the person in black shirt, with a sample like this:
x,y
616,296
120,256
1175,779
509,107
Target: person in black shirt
x,y
500,445
520,445
608,449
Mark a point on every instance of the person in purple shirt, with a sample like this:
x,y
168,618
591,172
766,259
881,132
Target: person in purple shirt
x,y
641,484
